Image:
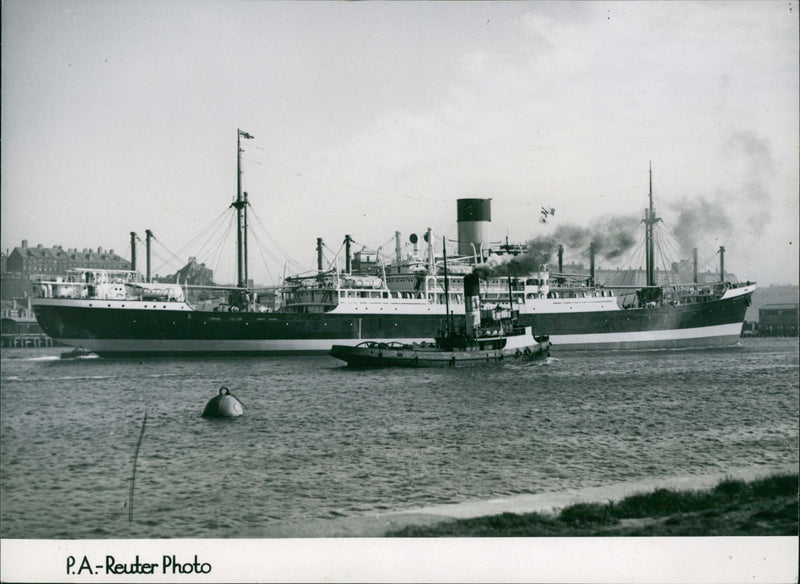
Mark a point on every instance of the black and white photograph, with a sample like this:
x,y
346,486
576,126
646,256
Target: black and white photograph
x,y
383,291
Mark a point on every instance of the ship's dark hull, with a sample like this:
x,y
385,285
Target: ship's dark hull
x,y
711,323
132,331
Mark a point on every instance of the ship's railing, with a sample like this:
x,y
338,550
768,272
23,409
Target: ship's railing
x,y
102,276
92,276
679,294
589,294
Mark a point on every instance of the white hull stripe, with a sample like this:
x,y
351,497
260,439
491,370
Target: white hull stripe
x,y
722,330
727,332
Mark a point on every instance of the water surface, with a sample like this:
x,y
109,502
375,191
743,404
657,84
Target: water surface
x,y
324,450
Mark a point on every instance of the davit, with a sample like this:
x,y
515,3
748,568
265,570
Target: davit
x,y
223,405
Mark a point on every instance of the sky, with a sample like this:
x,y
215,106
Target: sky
x,y
375,117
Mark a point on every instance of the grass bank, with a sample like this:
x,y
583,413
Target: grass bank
x,y
763,507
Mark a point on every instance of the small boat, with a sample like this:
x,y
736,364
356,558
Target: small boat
x,y
500,339
75,353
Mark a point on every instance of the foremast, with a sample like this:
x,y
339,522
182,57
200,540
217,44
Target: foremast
x,y
650,219
240,204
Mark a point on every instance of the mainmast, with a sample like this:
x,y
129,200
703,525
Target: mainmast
x,y
240,204
650,220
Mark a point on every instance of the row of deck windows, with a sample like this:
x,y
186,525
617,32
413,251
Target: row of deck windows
x,y
438,297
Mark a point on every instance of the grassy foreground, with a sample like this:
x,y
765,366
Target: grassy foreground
x,y
762,507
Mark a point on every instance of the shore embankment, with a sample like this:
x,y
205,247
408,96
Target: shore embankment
x,y
767,506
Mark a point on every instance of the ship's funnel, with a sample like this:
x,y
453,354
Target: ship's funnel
x,y
474,217
472,302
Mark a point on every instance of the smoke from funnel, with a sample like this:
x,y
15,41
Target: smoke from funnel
x,y
612,236
755,158
742,208
615,236
700,219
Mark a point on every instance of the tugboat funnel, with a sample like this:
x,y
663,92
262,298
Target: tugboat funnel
x,y
472,302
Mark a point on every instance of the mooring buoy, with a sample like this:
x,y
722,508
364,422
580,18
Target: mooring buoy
x,y
223,405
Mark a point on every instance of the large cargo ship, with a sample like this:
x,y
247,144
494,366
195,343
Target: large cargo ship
x,y
114,312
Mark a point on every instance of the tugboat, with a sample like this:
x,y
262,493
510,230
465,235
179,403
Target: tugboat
x,y
477,351
500,340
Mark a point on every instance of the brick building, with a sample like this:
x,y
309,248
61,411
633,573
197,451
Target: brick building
x,y
26,261
193,273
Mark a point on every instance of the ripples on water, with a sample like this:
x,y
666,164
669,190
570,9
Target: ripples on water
x,y
320,443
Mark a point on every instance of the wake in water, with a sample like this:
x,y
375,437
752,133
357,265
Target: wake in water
x,y
88,356
61,378
533,364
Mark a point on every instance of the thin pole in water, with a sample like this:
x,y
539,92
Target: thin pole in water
x,y
133,472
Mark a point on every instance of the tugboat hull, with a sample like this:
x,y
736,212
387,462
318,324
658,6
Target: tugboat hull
x,y
372,354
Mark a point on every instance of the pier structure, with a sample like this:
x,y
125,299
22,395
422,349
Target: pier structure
x,y
18,327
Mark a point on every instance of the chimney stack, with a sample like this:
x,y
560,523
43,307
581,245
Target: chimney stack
x,y
474,218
